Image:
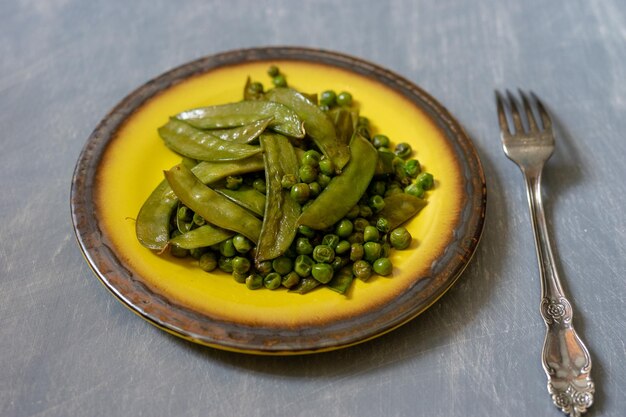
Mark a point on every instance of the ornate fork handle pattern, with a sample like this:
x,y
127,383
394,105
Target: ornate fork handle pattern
x,y
565,358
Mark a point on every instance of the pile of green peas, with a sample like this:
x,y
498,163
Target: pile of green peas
x,y
361,241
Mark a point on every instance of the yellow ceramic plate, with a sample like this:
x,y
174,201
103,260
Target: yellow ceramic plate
x,y
123,161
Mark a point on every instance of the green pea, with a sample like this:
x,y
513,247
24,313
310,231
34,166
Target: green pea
x,y
279,81
399,171
208,262
344,228
322,272
303,246
196,253
344,99
382,266
353,213
330,240
323,107
306,231
256,87
339,263
365,210
198,220
184,214
303,265
400,238
282,265
254,281
364,131
342,247
377,203
264,267
377,188
225,264
385,250
240,264
356,252
328,98
362,270
289,180
311,157
326,166
233,182
371,234
356,237
273,71
323,180
227,248
291,279
393,188
241,243
307,173
425,180
272,280
178,252
415,190
260,186
323,253
412,168
314,189
300,192
380,140
382,224
360,224
239,277
363,121
403,150
371,251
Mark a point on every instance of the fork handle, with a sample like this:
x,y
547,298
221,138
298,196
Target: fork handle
x,y
565,358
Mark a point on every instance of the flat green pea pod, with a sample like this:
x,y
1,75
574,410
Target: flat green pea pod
x,y
344,191
281,211
399,208
316,124
201,237
305,285
152,225
212,206
246,197
243,134
342,280
284,120
344,121
193,143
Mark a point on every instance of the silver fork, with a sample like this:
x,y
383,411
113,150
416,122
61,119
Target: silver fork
x,y
565,358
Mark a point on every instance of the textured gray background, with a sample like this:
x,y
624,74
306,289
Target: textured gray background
x,y
68,348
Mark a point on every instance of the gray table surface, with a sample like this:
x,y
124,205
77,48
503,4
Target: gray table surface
x,y
68,348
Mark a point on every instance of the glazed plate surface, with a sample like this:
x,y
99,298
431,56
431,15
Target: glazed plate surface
x,y
124,159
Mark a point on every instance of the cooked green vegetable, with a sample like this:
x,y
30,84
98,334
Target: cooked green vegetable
x,y
193,143
344,190
214,207
315,203
284,119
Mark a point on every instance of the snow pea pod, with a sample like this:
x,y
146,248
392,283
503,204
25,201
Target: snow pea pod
x,y
342,280
247,197
201,237
193,143
213,207
152,225
316,124
345,190
243,134
284,120
281,211
400,207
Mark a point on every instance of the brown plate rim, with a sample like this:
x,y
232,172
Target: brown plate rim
x,y
202,329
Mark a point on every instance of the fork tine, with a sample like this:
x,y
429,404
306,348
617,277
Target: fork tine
x,y
504,126
517,121
532,124
545,117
